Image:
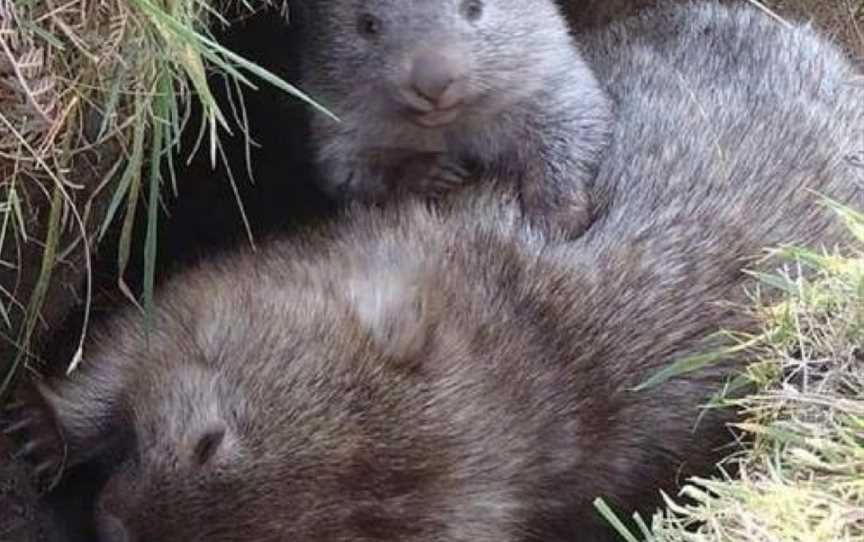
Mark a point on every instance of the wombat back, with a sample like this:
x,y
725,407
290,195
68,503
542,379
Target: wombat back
x,y
727,115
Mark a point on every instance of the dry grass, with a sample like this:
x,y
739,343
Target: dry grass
x,y
94,95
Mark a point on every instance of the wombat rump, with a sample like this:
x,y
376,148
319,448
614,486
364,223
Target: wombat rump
x,y
449,374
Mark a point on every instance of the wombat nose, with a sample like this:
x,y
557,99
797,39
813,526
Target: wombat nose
x,y
433,74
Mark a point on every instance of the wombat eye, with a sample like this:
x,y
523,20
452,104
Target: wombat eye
x,y
472,9
368,25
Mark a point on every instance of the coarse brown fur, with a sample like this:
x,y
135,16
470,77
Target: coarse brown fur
x,y
454,375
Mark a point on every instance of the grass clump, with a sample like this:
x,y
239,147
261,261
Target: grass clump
x,y
93,97
799,474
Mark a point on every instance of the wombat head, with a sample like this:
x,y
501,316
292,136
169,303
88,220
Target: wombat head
x,y
206,461
431,62
269,414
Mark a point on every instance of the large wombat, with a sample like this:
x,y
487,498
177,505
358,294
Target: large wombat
x,y
452,375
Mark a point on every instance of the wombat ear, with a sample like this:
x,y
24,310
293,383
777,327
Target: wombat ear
x,y
85,415
398,308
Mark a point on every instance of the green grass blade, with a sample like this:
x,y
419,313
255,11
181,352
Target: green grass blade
x,y
130,172
161,109
613,520
37,297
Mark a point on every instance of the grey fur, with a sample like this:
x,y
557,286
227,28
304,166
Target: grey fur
x,y
533,109
419,375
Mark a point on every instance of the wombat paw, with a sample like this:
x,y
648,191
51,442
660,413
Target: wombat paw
x,y
352,180
36,439
441,176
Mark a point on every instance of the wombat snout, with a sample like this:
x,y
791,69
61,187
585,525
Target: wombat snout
x,y
436,83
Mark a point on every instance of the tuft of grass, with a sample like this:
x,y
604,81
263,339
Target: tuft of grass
x,y
800,475
110,77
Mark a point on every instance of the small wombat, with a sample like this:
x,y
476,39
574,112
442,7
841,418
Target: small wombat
x,y
431,94
417,375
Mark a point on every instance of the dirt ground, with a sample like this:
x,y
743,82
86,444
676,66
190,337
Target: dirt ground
x,y
24,519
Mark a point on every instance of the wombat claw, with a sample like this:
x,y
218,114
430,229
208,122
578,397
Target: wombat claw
x,y
34,438
444,176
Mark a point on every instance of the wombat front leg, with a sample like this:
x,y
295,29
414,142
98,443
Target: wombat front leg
x,y
558,207
375,175
556,167
362,177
